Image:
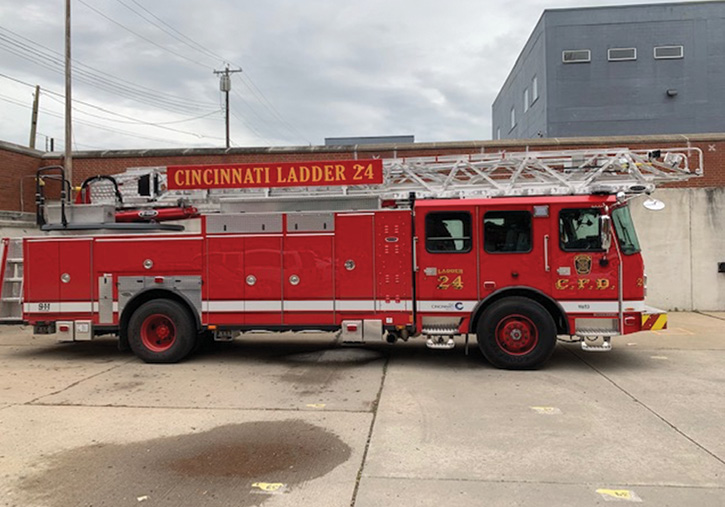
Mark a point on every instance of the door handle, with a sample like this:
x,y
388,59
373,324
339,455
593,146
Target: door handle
x,y
546,253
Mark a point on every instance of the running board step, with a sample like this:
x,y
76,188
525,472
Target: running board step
x,y
605,346
440,331
440,344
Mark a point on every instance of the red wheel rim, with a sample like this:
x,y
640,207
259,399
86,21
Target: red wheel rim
x,y
158,333
516,335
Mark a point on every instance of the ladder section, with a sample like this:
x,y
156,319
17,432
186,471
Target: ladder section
x,y
541,173
11,297
452,176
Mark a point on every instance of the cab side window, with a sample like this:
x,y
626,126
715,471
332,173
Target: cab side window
x,y
507,232
448,232
579,230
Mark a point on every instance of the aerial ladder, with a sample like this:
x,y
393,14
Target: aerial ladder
x,y
142,194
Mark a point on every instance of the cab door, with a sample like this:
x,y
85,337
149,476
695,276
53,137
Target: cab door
x,y
583,270
516,243
447,261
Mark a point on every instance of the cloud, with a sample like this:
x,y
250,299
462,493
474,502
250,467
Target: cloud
x,y
311,69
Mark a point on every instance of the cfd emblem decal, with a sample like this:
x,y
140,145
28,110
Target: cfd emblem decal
x,y
583,264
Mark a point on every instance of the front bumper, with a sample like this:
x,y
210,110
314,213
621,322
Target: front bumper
x,y
653,319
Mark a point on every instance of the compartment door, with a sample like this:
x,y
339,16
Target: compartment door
x,y
307,279
76,289
225,290
263,280
354,265
42,278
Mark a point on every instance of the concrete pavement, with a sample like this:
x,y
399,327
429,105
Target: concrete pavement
x,y
298,420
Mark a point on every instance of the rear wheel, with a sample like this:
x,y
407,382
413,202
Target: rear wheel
x,y
161,331
516,333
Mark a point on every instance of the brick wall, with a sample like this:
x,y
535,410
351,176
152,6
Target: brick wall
x,y
17,167
20,163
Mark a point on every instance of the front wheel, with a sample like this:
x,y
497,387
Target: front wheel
x,y
161,331
516,333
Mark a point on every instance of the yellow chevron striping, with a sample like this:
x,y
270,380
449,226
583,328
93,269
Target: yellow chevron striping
x,y
661,323
654,322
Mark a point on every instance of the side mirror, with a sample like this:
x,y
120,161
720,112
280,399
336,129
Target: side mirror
x,y
653,204
606,231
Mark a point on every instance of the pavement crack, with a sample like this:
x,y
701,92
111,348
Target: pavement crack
x,y
376,406
705,314
544,482
652,411
69,386
199,408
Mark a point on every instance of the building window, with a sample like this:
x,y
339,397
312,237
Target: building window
x,y
526,100
621,54
669,52
534,89
513,118
576,56
507,231
448,231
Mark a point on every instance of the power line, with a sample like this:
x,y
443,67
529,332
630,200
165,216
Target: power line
x,y
51,93
254,112
169,30
54,63
184,57
88,104
92,124
27,46
141,122
258,93
253,88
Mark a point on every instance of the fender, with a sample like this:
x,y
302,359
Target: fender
x,y
150,293
554,308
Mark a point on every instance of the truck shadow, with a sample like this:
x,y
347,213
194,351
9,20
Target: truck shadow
x,y
325,351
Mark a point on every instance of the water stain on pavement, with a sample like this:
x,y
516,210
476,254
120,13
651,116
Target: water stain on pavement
x,y
215,467
312,373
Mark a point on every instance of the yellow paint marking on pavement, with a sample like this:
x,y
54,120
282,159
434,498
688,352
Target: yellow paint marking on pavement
x,y
316,405
619,495
270,487
677,331
663,358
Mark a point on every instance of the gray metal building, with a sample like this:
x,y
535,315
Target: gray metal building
x,y
624,70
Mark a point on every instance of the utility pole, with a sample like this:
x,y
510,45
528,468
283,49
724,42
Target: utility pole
x,y
68,161
34,118
225,85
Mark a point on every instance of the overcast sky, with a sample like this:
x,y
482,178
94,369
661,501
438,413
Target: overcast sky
x,y
143,69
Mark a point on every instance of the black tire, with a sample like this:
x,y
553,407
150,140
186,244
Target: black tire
x,y
161,331
516,333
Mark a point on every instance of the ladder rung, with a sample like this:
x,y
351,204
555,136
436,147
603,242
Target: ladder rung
x,y
14,279
13,299
15,260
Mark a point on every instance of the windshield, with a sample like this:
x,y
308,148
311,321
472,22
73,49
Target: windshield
x,y
624,226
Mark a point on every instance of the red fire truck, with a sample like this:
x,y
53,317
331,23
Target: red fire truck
x,y
517,248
